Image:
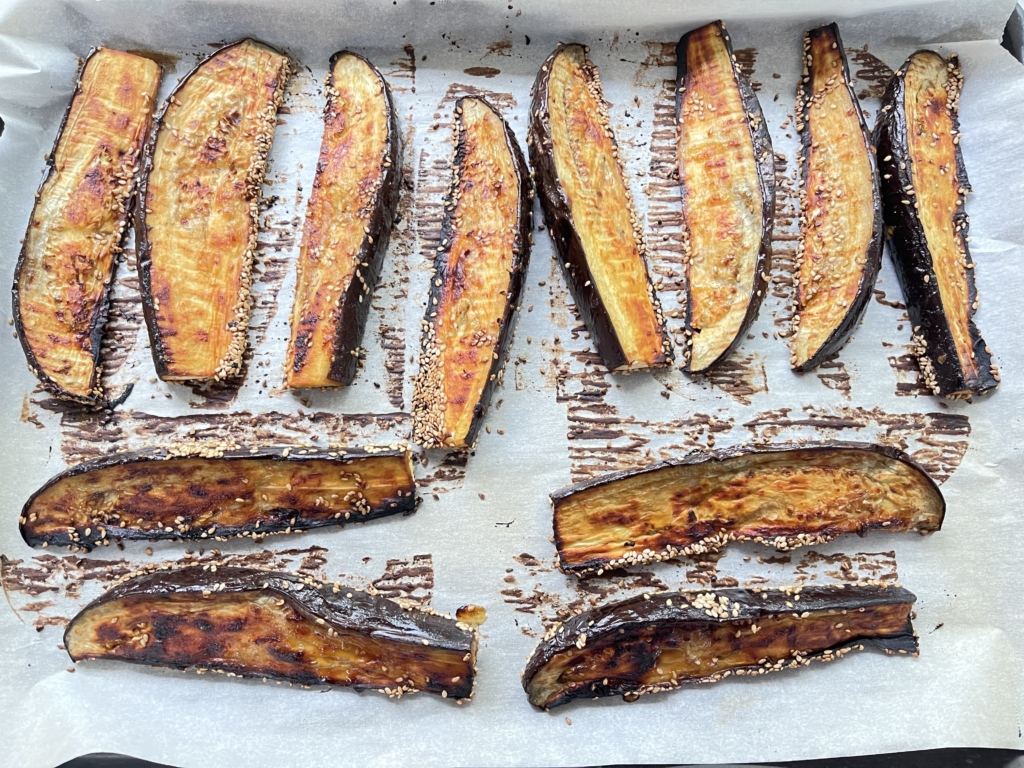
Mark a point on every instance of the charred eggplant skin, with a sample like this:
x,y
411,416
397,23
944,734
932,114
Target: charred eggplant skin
x,y
934,343
343,611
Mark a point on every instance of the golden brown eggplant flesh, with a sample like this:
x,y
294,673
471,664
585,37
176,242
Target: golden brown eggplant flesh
x,y
589,211
153,495
348,224
476,282
252,623
840,206
785,496
924,188
69,255
658,642
198,210
727,173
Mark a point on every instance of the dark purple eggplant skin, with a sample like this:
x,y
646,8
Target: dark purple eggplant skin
x,y
909,248
765,157
352,318
874,253
636,612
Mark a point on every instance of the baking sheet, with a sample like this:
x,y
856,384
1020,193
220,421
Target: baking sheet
x,y
481,535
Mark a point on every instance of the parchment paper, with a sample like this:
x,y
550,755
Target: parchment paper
x,y
481,535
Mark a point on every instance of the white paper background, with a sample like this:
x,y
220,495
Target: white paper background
x,y
964,689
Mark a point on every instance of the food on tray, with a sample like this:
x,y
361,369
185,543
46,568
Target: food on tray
x,y
840,206
924,188
348,224
203,493
727,173
589,211
785,496
199,207
68,258
656,642
477,279
252,623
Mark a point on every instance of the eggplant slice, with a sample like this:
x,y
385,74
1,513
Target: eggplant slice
x,y
204,493
924,188
785,496
589,211
657,642
199,208
69,255
251,623
727,173
348,224
840,206
476,282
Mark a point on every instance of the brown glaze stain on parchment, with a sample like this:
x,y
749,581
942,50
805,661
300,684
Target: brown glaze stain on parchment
x,y
124,320
503,102
862,566
746,58
410,579
870,72
908,375
739,376
402,73
499,48
832,373
486,72
785,245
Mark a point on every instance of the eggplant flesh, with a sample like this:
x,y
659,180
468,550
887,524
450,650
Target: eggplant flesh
x,y
153,496
658,642
841,208
251,623
199,210
727,173
66,267
477,280
924,188
348,225
589,211
785,496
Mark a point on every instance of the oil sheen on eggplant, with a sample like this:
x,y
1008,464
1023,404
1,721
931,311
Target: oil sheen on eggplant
x,y
840,206
69,255
727,173
252,623
151,495
660,641
924,189
476,282
198,210
348,224
785,496
589,212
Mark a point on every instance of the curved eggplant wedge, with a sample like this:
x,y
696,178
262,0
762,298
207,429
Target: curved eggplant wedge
x,y
348,225
659,642
589,211
476,282
727,173
840,206
785,496
251,623
924,188
68,258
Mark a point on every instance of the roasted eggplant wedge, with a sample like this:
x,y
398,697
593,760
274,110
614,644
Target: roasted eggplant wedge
x,y
476,282
200,493
252,623
348,224
727,173
924,188
589,211
68,258
785,496
658,642
840,206
199,207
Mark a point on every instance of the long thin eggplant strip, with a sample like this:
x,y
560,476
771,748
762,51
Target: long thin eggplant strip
x,y
659,642
348,225
785,496
477,280
199,210
66,267
252,623
152,495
